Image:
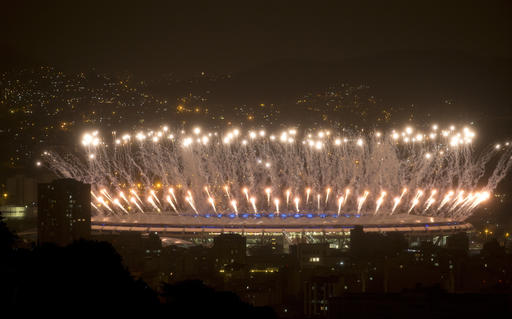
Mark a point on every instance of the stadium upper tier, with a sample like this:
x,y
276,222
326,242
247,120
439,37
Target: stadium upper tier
x,y
291,224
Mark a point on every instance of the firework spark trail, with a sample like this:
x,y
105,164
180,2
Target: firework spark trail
x,y
276,202
212,202
347,193
340,203
246,192
96,207
226,189
415,200
287,163
233,203
267,191
481,197
134,193
253,203
169,200
379,201
288,192
328,191
458,200
121,194
171,190
152,202
429,203
361,200
191,203
446,199
94,195
397,200
118,204
106,194
153,194
134,202
430,200
207,192
104,203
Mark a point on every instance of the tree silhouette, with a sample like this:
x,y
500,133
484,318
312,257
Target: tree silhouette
x,y
81,274
193,299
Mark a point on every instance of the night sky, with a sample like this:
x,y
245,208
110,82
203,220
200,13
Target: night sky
x,y
184,37
89,70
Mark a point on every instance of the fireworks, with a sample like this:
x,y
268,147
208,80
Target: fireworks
x,y
433,173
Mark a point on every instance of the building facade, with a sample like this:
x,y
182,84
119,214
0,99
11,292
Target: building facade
x,y
64,211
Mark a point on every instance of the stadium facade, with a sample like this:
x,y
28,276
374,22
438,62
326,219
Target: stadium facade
x,y
287,230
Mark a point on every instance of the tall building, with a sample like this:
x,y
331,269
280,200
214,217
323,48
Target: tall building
x,y
229,249
64,211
